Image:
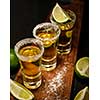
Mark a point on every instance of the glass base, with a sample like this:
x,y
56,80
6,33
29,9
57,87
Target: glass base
x,y
48,67
32,85
67,51
32,82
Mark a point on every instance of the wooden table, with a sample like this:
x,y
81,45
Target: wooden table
x,y
57,84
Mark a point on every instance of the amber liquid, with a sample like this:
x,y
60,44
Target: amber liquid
x,y
30,69
65,39
48,61
64,45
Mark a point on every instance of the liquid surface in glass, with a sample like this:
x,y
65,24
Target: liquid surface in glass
x,y
30,70
49,56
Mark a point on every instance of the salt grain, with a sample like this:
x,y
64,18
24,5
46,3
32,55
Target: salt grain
x,y
55,84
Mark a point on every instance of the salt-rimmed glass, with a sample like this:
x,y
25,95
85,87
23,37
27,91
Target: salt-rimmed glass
x,y
29,52
48,33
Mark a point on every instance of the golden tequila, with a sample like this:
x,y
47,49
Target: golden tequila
x,y
65,38
48,33
29,57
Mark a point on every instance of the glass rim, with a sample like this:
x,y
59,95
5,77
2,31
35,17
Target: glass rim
x,y
45,24
26,41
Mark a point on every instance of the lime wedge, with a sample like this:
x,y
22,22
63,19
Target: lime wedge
x,y
19,91
59,14
13,60
82,94
82,67
68,34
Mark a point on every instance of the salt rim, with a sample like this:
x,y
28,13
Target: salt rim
x,y
46,24
25,41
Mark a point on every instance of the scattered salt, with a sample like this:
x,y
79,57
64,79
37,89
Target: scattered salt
x,y
54,85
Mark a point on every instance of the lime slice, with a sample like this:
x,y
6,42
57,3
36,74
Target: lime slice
x,y
82,67
19,91
69,34
13,60
59,14
82,94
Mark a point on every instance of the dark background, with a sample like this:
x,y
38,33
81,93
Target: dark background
x,y
25,14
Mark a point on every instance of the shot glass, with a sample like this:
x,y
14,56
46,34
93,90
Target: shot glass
x,y
65,38
29,52
48,33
